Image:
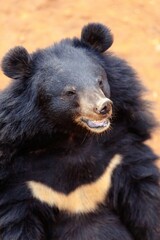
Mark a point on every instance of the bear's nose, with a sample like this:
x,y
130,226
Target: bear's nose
x,y
104,107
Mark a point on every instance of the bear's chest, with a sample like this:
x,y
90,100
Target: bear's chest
x,y
84,198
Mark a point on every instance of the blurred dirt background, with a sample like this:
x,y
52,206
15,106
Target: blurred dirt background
x,y
135,24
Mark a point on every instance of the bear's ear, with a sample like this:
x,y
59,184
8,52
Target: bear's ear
x,y
98,36
16,63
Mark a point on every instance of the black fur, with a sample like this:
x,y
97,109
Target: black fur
x,y
40,141
97,36
19,65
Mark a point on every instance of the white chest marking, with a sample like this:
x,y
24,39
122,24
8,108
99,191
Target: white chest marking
x,y
83,199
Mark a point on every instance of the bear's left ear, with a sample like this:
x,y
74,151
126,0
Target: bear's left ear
x,y
97,36
16,64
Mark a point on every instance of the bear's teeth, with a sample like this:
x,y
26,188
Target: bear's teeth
x,y
96,124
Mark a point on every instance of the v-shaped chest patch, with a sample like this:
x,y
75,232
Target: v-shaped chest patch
x,y
83,199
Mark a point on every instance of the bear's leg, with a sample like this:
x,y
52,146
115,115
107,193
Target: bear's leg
x,y
138,200
19,222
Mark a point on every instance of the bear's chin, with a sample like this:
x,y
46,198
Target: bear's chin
x,y
96,126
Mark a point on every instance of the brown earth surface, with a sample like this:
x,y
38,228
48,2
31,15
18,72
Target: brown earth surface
x,y
135,24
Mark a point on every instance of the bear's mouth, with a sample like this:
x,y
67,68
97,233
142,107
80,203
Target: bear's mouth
x,y
96,125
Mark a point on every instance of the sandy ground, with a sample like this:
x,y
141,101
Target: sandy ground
x,y
135,24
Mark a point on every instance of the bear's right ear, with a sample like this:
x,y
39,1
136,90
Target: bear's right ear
x,y
16,63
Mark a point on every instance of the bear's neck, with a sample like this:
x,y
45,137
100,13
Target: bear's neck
x,y
58,141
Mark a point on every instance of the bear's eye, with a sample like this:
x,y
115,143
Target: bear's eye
x,y
100,82
70,93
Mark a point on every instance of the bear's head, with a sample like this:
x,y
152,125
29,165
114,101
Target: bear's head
x,y
72,86
67,80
